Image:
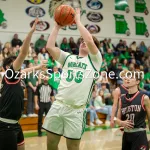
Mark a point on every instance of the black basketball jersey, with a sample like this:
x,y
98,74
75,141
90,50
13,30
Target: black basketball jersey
x,y
133,109
11,96
123,89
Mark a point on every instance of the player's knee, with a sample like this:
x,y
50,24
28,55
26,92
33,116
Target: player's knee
x,y
73,145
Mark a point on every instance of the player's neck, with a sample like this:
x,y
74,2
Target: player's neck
x,y
82,54
132,90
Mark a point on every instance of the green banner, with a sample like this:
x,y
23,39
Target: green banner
x,y
140,6
141,27
121,25
122,5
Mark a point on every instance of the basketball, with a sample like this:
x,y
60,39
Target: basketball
x,y
64,15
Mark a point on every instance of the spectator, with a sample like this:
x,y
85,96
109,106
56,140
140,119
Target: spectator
x,y
142,47
51,63
0,46
104,65
147,54
65,46
73,46
110,45
102,48
133,47
35,61
119,70
108,56
139,55
113,65
54,79
92,111
125,46
40,43
5,52
1,60
15,41
101,107
120,47
107,94
44,97
132,67
147,64
105,45
43,55
125,64
79,42
32,83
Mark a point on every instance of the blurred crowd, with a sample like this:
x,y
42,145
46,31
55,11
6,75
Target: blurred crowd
x,y
115,58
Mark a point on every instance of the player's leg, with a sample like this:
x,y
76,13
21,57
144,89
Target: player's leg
x,y
73,144
74,125
52,141
140,141
53,124
126,145
21,147
8,140
20,138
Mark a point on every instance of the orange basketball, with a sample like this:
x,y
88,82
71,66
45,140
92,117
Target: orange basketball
x,y
64,15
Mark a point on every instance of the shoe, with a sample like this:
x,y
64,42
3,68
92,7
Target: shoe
x,y
39,134
92,124
98,122
24,116
34,115
30,115
107,123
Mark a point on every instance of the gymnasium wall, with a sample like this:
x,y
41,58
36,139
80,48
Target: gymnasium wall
x,y
19,22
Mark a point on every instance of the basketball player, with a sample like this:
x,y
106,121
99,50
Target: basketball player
x,y
133,108
117,93
11,99
67,114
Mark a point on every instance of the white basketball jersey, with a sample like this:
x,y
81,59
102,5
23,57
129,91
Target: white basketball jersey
x,y
77,81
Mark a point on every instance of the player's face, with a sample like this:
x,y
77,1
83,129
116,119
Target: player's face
x,y
83,46
131,82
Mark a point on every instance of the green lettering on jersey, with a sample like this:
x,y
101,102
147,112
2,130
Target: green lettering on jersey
x,y
77,65
70,64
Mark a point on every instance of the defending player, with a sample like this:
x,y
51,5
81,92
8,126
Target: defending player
x,y
67,114
133,108
11,99
117,93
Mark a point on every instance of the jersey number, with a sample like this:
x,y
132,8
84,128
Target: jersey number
x,y
78,77
130,117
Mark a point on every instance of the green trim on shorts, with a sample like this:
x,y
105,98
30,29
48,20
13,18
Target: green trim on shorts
x,y
90,92
84,122
65,60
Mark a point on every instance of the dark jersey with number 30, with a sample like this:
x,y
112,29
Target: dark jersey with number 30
x,y
11,96
133,109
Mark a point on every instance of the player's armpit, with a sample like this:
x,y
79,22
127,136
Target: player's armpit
x,y
147,108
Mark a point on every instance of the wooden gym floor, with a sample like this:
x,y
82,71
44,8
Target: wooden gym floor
x,y
93,139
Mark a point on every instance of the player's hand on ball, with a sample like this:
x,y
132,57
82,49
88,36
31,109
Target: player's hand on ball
x,y
57,25
77,16
127,124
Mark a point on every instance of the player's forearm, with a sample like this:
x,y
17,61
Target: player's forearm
x,y
114,109
52,38
36,100
26,44
84,32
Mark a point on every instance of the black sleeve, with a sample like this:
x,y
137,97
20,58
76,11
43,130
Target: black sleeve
x,y
11,75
